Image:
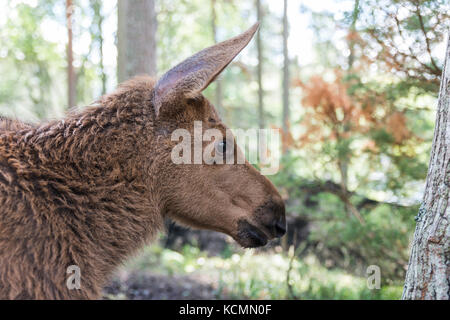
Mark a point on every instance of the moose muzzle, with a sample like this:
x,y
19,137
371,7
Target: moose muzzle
x,y
269,223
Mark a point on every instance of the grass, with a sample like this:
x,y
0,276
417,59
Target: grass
x,y
253,275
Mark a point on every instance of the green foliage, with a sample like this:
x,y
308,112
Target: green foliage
x,y
382,240
34,59
337,237
240,275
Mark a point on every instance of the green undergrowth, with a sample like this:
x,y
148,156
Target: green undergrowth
x,y
255,275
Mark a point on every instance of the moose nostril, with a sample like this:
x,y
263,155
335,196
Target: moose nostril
x,y
280,227
273,217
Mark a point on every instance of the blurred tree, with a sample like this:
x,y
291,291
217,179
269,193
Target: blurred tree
x,y
350,37
393,112
428,275
286,78
337,119
30,44
136,38
259,13
344,157
97,34
218,84
360,146
29,62
404,34
71,78
91,71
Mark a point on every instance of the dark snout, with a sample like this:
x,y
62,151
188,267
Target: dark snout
x,y
273,217
270,222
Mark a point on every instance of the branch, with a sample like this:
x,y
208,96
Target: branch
x,y
315,187
427,41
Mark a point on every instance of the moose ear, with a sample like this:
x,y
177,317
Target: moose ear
x,y
193,75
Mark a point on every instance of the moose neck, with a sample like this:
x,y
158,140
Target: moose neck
x,y
95,167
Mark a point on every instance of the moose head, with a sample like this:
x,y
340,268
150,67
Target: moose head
x,y
231,198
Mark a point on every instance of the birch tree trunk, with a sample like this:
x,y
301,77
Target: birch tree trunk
x,y
136,38
428,275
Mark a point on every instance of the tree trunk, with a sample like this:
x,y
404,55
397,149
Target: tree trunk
x,y
345,158
98,35
428,275
136,38
351,42
218,98
71,86
261,119
286,113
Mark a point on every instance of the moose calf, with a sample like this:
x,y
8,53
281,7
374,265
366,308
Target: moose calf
x,y
93,188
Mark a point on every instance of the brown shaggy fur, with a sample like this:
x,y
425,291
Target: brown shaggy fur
x,y
93,188
12,124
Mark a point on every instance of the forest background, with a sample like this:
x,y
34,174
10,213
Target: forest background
x,y
351,84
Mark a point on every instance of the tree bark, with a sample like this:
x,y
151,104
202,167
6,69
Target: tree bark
x,y
428,275
136,38
71,85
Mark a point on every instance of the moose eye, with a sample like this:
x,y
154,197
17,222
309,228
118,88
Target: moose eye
x,y
221,147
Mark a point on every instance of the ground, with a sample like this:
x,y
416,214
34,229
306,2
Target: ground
x,y
135,286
